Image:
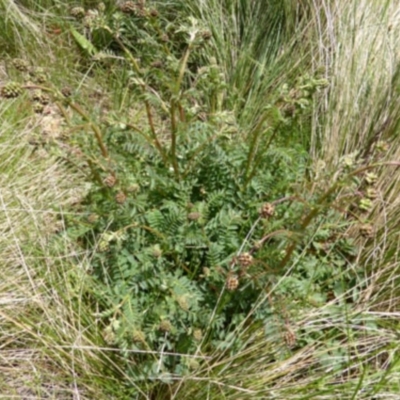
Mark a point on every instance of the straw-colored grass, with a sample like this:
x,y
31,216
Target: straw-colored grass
x,y
51,345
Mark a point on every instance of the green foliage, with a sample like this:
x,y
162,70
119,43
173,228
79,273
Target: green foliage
x,y
191,221
195,224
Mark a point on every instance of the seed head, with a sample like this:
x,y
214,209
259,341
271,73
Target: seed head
x,y
120,197
11,90
197,334
77,12
289,337
156,251
194,216
165,325
164,38
206,272
367,230
245,260
110,181
134,188
103,245
138,336
206,35
41,78
365,204
154,13
36,95
89,20
267,210
38,108
128,7
183,303
232,282
92,218
20,64
40,97
289,110
157,64
372,193
202,116
193,364
371,178
66,91
382,146
109,335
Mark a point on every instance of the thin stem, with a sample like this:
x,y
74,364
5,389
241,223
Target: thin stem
x,y
93,126
182,69
146,102
175,107
173,140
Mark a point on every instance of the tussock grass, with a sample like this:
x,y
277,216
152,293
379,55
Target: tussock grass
x,y
35,318
361,107
260,45
362,63
50,346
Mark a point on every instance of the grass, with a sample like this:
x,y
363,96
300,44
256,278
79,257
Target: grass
x,y
51,344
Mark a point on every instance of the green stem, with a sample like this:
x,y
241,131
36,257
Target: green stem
x,y
173,140
146,102
93,126
175,107
182,69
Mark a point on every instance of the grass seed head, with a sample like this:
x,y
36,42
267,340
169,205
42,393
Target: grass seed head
x,y
371,193
20,64
382,146
43,99
371,178
37,107
11,90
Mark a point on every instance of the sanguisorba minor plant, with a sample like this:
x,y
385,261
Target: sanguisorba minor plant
x,y
189,220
